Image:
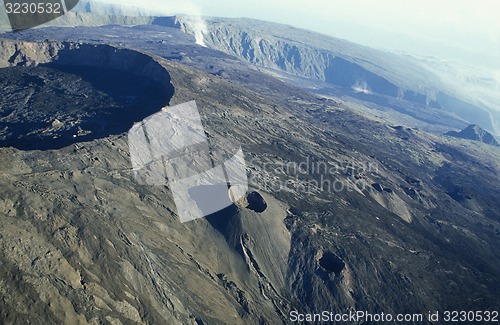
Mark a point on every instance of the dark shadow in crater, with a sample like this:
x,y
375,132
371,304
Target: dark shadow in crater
x,y
331,263
52,106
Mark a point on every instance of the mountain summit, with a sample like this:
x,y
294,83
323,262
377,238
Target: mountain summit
x,y
476,133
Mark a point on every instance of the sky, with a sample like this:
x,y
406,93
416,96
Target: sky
x,y
463,30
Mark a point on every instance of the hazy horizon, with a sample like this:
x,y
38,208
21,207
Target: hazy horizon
x,y
458,31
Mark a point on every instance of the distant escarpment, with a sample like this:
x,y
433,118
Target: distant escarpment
x,y
344,68
325,63
314,56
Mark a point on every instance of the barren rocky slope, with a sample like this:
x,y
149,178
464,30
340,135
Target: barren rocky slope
x,y
82,242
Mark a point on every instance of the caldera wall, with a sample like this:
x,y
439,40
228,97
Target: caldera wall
x,y
18,53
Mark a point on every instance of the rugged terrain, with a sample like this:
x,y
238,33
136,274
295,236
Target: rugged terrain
x,y
414,227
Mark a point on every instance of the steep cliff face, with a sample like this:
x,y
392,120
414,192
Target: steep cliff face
x,y
360,71
314,56
85,55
